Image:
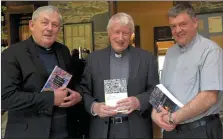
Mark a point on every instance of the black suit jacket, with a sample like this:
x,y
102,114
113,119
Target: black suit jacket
x,y
143,76
23,76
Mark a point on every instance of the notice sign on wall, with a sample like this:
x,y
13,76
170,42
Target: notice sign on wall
x,y
215,24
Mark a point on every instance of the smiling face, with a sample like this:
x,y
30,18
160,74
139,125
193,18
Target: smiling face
x,y
45,28
119,36
183,28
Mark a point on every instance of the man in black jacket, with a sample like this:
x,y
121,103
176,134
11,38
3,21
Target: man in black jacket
x,y
26,67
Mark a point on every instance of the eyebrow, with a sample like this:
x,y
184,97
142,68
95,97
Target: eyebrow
x,y
49,20
180,22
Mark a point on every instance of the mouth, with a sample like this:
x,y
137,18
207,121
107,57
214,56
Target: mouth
x,y
120,43
181,35
48,36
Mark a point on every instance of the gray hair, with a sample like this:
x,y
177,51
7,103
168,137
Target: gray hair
x,y
49,9
181,8
124,19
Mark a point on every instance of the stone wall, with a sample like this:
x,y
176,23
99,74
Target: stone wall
x,y
97,12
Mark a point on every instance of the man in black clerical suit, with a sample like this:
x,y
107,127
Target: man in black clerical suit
x,y
120,61
26,67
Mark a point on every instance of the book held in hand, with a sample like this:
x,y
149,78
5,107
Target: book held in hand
x,y
115,90
57,78
161,96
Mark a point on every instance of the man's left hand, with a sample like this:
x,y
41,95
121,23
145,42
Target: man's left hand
x,y
72,99
128,105
166,118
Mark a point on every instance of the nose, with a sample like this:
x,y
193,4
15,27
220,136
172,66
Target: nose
x,y
49,26
120,36
178,29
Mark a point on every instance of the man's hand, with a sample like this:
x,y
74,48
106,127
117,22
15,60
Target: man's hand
x,y
102,110
59,95
72,99
166,118
128,105
159,119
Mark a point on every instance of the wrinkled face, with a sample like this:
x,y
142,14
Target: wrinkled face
x,y
119,37
183,27
45,28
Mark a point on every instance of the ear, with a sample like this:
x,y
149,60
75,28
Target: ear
x,y
60,29
131,35
195,20
31,24
109,41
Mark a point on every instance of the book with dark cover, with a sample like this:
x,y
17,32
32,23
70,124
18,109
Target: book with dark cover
x,y
57,78
161,96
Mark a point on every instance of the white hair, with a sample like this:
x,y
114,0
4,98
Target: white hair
x,y
124,20
49,9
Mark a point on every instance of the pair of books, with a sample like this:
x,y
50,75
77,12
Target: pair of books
x,y
116,89
161,96
57,78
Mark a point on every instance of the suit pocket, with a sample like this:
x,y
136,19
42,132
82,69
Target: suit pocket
x,y
15,130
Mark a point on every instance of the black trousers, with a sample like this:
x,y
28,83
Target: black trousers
x,y
119,131
211,130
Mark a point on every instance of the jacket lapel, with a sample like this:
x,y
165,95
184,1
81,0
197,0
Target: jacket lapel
x,y
60,58
134,63
104,64
32,52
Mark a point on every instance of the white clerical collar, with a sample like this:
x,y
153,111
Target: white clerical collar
x,y
48,49
118,55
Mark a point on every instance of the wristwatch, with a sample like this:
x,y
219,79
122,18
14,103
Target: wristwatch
x,y
171,121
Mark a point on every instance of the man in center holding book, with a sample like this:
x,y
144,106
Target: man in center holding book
x,y
115,70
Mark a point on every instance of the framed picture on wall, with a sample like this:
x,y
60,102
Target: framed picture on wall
x,y
79,36
162,39
202,7
210,26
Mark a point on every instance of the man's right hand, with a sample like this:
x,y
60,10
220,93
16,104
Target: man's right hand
x,y
102,110
158,119
59,95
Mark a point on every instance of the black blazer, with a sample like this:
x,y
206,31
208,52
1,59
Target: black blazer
x,y
143,76
23,76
